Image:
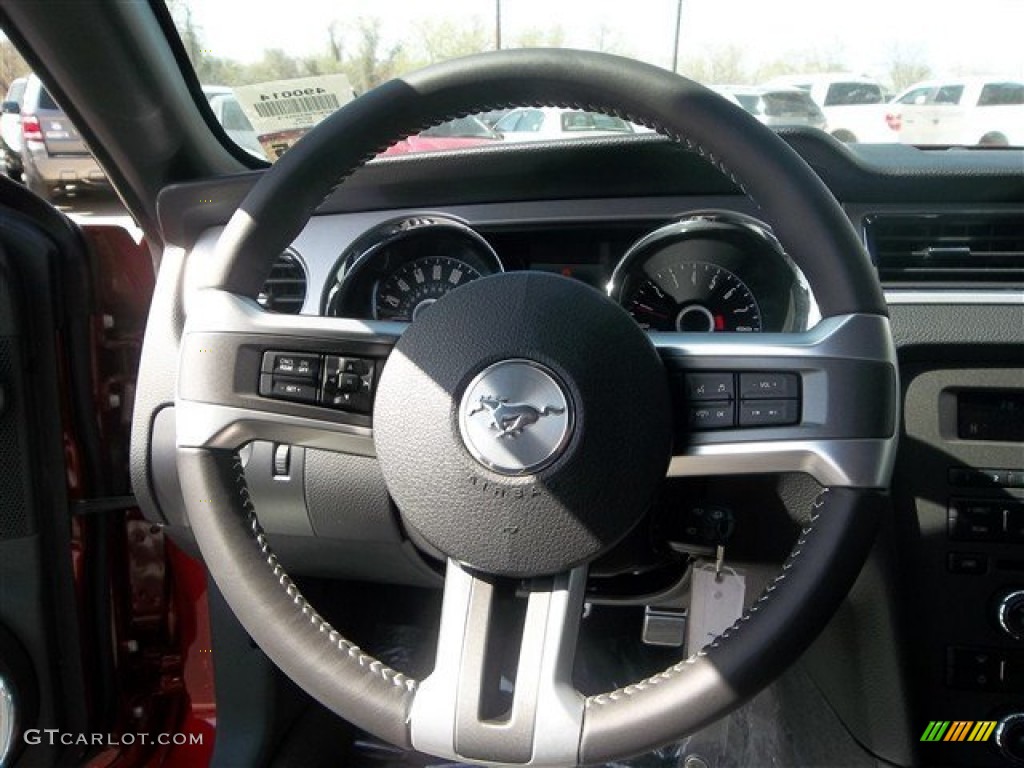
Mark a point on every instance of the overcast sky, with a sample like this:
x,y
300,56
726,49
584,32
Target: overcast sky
x,y
984,36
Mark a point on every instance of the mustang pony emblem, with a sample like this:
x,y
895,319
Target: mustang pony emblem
x,y
510,419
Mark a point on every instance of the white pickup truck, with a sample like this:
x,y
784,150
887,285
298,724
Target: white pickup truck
x,y
854,105
967,111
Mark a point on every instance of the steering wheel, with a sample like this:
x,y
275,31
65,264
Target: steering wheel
x,y
524,424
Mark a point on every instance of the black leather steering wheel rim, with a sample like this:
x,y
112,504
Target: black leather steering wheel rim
x,y
807,220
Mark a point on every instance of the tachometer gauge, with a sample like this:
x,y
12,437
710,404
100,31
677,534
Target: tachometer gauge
x,y
414,286
694,296
711,272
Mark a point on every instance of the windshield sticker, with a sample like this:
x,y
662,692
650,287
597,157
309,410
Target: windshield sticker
x,y
282,111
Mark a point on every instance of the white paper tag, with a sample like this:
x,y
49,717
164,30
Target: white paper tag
x,y
281,111
715,603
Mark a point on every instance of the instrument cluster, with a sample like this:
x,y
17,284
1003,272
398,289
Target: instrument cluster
x,y
709,271
401,267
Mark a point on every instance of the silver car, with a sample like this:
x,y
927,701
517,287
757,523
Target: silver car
x,y
547,123
54,157
775,106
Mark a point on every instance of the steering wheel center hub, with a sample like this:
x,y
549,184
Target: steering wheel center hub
x,y
515,417
523,424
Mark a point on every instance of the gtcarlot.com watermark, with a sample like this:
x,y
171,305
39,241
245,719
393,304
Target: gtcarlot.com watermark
x,y
54,737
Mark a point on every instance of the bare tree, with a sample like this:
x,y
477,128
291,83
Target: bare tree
x,y
540,37
907,66
275,64
12,65
442,40
188,30
335,43
608,39
806,62
371,66
719,66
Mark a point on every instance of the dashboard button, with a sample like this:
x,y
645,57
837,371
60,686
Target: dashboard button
x,y
712,416
349,382
709,386
355,365
974,521
967,563
358,402
768,386
993,478
291,389
297,365
1013,521
975,668
765,413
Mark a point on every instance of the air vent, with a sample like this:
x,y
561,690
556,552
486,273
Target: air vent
x,y
949,248
285,289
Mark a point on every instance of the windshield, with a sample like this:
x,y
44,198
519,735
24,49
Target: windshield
x,y
284,72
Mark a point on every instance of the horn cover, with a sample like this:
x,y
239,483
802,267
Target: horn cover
x,y
523,424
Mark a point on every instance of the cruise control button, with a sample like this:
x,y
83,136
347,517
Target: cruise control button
x,y
711,416
974,521
768,386
300,365
765,413
293,390
709,386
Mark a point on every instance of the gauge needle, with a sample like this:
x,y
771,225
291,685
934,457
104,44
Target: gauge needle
x,y
652,311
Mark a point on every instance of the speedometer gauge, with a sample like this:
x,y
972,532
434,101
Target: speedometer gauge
x,y
694,296
397,269
412,288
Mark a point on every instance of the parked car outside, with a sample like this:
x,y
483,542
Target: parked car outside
x,y
229,114
964,111
546,123
775,106
54,157
854,105
10,128
492,116
460,133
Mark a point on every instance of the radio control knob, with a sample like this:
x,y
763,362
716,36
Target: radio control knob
x,y
1009,737
1010,614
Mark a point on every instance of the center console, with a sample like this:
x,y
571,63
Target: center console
x,y
960,479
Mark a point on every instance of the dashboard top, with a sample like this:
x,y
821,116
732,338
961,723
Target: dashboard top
x,y
647,166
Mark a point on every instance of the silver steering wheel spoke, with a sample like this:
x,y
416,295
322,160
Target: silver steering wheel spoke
x,y
828,423
545,720
237,388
